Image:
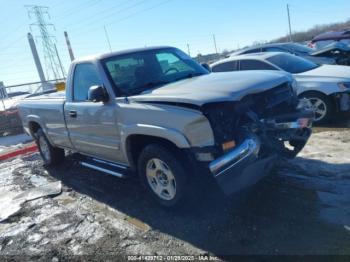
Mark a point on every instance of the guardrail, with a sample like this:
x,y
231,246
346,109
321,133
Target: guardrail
x,y
32,87
10,122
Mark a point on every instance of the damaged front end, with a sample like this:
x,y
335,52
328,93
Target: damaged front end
x,y
340,52
261,127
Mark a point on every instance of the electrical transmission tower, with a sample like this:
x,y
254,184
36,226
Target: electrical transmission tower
x,y
41,17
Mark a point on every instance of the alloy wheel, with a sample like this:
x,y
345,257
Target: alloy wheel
x,y
319,107
161,179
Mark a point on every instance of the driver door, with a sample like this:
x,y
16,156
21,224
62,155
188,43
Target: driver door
x,y
92,126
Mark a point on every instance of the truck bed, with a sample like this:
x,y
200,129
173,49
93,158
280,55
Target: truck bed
x,y
48,110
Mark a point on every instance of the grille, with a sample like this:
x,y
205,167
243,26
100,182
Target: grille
x,y
276,101
226,118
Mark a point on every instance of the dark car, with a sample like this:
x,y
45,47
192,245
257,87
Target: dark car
x,y
327,38
334,44
292,48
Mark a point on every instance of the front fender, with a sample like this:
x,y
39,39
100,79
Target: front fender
x,y
172,135
326,88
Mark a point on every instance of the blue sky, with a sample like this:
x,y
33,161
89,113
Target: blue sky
x,y
137,23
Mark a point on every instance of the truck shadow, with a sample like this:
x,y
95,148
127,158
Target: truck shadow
x,y
276,216
339,122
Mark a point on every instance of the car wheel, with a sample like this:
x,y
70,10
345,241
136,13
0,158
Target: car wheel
x,y
162,173
322,106
51,155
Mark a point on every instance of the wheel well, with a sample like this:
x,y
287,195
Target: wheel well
x,y
136,143
331,99
33,127
312,93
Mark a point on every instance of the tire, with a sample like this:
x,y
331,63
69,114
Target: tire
x,y
52,156
324,108
163,174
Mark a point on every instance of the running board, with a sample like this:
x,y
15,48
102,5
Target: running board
x,y
105,167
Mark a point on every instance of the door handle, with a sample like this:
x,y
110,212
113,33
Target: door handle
x,y
72,113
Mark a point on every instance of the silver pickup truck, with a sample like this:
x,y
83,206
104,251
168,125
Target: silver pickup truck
x,y
157,113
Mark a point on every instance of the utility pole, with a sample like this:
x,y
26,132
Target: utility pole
x,y
289,23
37,61
216,48
107,37
41,16
59,61
3,94
70,50
188,49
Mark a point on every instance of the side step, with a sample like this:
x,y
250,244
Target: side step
x,y
107,167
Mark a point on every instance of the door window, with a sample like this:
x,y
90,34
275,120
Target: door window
x,y
85,76
226,67
252,51
255,65
273,49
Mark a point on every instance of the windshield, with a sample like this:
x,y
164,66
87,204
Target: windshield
x,y
291,63
137,72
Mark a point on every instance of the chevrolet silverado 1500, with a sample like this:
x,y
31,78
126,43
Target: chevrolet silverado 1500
x,y
157,113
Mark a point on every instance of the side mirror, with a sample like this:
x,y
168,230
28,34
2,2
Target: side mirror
x,y
206,66
97,94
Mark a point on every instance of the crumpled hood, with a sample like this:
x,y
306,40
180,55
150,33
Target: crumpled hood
x,y
215,87
326,73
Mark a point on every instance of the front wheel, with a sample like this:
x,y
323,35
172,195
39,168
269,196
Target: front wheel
x,y
322,106
163,174
51,155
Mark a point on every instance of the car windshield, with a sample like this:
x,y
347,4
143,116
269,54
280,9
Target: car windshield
x,y
137,72
291,63
300,48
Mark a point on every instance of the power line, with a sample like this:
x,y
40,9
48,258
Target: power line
x,y
141,11
12,43
13,30
79,8
129,16
102,18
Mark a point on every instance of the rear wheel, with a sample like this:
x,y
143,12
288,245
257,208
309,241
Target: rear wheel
x,y
51,155
163,174
322,105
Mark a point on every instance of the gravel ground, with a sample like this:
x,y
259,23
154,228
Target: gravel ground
x,y
303,208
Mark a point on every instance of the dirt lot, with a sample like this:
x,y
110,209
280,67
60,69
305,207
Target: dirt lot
x,y
302,208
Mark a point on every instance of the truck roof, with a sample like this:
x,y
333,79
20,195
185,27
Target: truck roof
x,y
117,53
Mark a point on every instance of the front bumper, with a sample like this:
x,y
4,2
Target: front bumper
x,y
245,165
241,167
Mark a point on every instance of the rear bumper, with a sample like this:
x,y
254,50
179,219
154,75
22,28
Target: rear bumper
x,y
244,166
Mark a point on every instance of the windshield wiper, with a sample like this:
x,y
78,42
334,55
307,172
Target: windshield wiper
x,y
190,75
149,85
155,84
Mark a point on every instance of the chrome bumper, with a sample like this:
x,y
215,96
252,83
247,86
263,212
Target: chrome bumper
x,y
243,167
250,147
300,123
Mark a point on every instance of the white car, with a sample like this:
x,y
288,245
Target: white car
x,y
327,87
